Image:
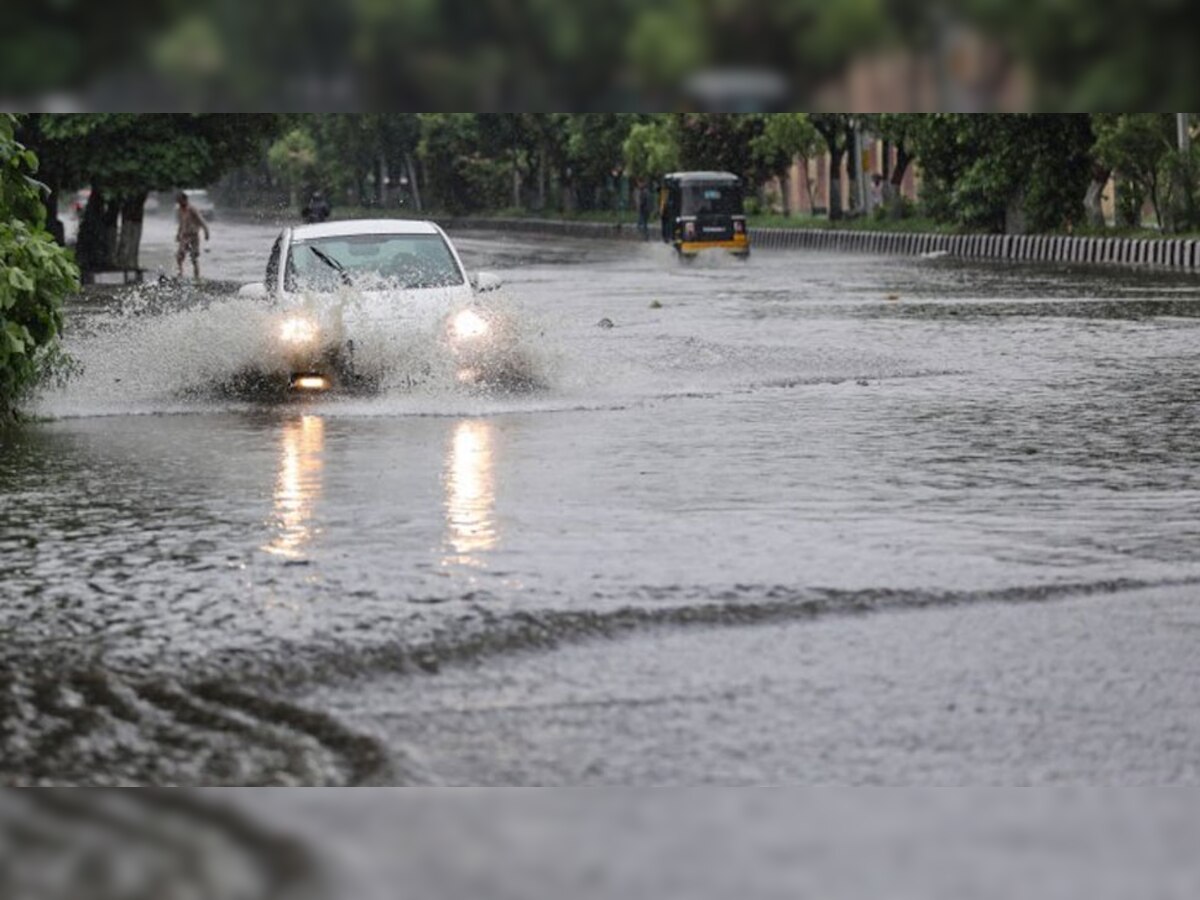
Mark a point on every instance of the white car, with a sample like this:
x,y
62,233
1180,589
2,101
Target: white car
x,y
353,301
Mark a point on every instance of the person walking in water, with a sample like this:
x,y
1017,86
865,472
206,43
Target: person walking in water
x,y
191,223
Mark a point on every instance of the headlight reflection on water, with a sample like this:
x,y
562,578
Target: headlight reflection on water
x,y
470,492
298,485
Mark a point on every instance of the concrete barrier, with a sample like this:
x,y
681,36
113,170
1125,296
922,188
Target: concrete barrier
x,y
1171,252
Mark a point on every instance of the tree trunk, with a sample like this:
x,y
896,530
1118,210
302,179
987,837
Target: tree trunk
x,y
1157,202
96,248
516,181
810,187
91,249
132,212
541,185
1015,220
568,195
1092,205
112,224
53,223
785,191
893,194
412,180
1124,212
854,162
380,181
835,184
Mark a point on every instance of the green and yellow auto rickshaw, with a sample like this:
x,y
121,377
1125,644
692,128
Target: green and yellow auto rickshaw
x,y
703,211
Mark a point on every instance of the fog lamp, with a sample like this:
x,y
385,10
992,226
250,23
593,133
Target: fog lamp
x,y
310,383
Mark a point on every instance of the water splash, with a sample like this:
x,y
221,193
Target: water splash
x,y
155,349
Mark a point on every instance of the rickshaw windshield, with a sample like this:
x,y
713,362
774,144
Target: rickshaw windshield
x,y
712,199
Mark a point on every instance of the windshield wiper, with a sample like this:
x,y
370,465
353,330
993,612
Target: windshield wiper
x,y
332,263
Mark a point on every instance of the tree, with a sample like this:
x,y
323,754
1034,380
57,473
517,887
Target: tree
x,y
837,130
398,135
902,131
1011,173
460,178
785,137
509,136
293,160
596,152
124,156
650,151
1139,148
35,273
722,141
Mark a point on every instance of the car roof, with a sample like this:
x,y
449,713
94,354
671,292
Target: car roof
x,y
702,176
348,227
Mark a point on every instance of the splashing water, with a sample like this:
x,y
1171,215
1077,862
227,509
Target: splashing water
x,y
158,351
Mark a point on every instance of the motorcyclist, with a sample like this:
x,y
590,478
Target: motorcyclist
x,y
317,208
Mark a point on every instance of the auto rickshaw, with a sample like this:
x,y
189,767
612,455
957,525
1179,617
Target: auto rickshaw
x,y
703,211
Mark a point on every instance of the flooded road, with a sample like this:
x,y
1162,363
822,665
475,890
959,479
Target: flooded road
x,y
801,455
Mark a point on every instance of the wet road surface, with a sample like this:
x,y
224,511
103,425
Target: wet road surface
x,y
753,486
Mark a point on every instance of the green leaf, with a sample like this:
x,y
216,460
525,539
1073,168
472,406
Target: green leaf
x,y
17,336
19,280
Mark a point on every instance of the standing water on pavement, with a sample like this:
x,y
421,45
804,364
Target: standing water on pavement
x,y
804,432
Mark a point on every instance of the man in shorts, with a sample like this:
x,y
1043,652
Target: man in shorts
x,y
191,223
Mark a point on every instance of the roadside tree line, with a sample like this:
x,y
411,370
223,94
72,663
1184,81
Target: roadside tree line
x,y
1013,172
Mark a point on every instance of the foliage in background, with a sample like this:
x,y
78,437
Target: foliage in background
x,y
721,141
651,150
293,160
125,156
837,130
615,54
993,172
785,138
35,273
1141,149
1013,173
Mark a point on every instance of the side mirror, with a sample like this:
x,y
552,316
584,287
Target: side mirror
x,y
486,281
254,289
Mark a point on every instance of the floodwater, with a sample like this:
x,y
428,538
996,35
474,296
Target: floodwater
x,y
813,518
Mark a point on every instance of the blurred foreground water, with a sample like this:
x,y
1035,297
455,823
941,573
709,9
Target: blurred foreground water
x,y
691,843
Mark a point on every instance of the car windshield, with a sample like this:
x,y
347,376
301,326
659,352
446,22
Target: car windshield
x,y
719,199
390,260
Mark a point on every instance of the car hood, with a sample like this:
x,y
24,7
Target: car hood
x,y
402,309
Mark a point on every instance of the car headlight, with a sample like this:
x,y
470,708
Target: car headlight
x,y
469,325
298,330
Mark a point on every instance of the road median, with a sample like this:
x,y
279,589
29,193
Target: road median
x,y
1178,253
